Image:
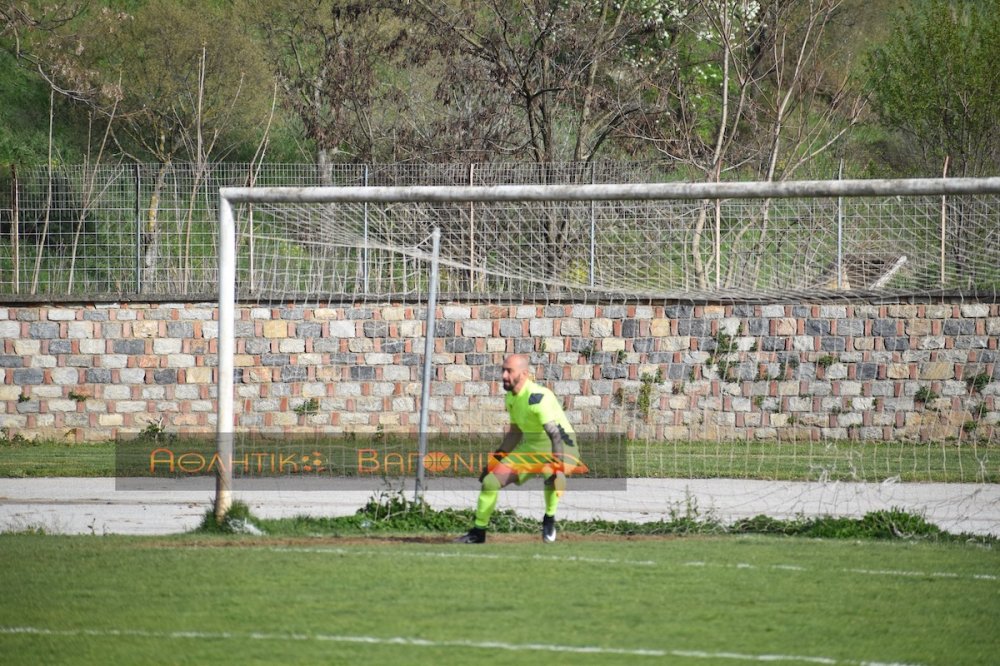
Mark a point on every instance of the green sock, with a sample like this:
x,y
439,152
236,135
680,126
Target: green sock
x,y
551,501
487,501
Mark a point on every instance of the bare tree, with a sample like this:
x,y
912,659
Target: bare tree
x,y
566,71
27,29
333,61
772,108
560,80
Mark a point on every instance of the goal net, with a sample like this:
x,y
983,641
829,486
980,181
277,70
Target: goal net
x,y
730,348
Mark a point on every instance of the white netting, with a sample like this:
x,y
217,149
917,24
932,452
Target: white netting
x,y
332,251
777,248
747,340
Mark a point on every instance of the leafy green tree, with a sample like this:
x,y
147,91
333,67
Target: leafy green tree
x,y
186,83
25,139
935,82
170,80
24,25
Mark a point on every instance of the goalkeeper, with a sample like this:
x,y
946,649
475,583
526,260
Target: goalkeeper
x,y
540,441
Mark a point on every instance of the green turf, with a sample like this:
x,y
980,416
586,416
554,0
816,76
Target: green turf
x,y
91,600
22,458
968,461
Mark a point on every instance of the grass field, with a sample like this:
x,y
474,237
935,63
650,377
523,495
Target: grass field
x,y
951,462
386,586
415,599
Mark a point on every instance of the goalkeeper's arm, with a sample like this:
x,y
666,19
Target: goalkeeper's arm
x,y
511,439
555,434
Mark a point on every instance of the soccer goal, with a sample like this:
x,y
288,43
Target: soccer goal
x,y
768,333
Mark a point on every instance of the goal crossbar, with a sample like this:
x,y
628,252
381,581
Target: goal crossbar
x,y
608,192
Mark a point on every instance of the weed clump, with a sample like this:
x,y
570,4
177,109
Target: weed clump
x,y
394,513
238,520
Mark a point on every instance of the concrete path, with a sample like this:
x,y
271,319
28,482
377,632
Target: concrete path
x,y
96,506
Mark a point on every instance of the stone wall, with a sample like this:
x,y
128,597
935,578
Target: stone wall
x,y
93,372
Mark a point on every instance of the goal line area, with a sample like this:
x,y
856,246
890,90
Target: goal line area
x,y
828,343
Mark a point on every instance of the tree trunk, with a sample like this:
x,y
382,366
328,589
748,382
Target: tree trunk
x,y
324,167
699,230
151,234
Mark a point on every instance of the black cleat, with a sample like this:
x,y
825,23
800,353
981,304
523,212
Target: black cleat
x,y
475,535
549,529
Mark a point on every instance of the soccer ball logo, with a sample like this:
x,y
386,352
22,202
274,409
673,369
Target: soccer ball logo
x,y
313,463
436,461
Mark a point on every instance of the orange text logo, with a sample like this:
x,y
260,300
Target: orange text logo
x,y
259,463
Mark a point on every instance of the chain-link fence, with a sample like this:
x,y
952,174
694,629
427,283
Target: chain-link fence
x,y
150,231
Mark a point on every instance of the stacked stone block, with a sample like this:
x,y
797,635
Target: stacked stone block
x,y
665,371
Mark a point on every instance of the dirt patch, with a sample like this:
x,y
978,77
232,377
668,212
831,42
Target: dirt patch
x,y
387,540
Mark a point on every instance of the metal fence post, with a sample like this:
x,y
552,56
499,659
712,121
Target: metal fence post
x,y
718,244
252,258
138,228
364,248
840,232
944,221
593,230
15,231
472,232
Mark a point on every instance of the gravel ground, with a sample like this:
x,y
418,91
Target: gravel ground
x,y
100,506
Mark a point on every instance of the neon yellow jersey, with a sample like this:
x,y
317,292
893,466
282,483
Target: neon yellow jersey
x,y
531,409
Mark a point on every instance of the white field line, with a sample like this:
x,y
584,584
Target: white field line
x,y
864,572
463,555
395,553
423,642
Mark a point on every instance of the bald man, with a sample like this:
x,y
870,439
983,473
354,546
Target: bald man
x,y
539,442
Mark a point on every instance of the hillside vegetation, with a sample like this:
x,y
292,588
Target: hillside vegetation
x,y
711,89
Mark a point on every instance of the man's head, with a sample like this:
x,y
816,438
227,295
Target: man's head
x,y
515,372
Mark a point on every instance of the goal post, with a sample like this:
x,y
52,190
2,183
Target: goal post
x,y
227,345
511,277
226,354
